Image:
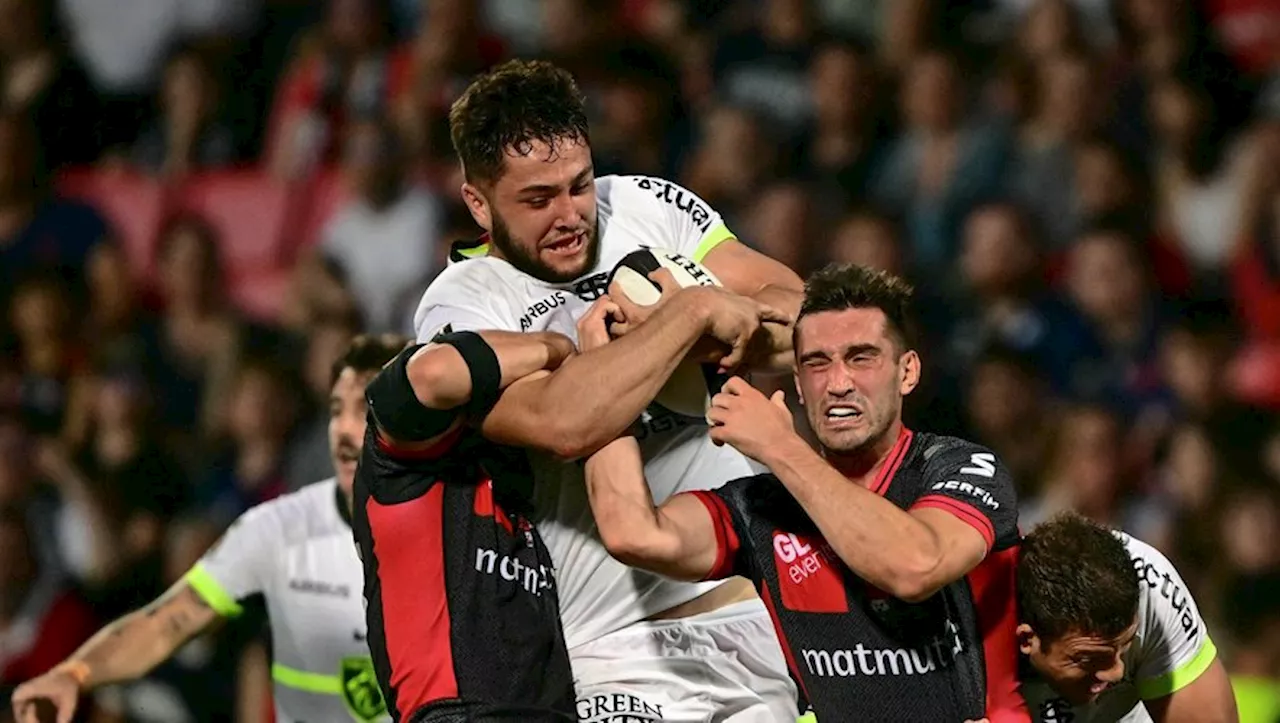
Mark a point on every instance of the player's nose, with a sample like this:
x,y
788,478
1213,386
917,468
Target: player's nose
x,y
1113,674
567,213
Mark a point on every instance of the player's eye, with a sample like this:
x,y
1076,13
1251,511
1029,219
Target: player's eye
x,y
580,189
537,202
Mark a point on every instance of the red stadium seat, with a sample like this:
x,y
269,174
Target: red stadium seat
x,y
134,205
1254,375
260,293
249,209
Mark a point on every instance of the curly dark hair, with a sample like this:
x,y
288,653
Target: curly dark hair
x,y
368,353
1075,575
837,287
510,107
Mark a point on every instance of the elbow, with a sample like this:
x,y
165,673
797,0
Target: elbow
x,y
630,548
916,580
568,440
434,382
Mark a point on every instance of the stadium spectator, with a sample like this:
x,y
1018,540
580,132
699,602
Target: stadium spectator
x,y
327,339
941,164
1009,410
1107,282
380,247
41,79
52,358
196,337
865,237
1002,299
38,233
41,619
260,413
188,135
842,145
340,72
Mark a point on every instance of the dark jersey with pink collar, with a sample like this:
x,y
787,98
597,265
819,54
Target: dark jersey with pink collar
x,y
856,652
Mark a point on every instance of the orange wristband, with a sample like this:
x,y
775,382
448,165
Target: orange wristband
x,y
77,669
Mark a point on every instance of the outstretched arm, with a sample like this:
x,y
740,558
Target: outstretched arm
x,y
770,282
677,539
124,650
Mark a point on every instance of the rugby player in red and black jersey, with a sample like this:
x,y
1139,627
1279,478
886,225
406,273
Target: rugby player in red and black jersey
x,y
887,559
464,623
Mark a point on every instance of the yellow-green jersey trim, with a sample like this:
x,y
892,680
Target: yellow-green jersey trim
x,y
212,592
304,681
710,240
1185,675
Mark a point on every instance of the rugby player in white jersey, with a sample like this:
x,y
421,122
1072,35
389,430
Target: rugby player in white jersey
x,y
1104,645
298,552
643,647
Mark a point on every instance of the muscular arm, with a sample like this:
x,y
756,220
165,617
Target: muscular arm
x,y
441,379
750,273
909,554
133,645
594,396
1209,699
676,539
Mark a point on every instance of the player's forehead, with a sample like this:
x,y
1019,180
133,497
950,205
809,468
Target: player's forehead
x,y
835,331
1077,643
350,385
538,164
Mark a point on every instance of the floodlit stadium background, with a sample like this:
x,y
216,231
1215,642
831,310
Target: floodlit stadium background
x,y
1085,192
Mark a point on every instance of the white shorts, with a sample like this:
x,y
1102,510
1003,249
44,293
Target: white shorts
x,y
723,666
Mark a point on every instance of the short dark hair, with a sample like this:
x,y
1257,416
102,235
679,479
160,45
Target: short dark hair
x,y
368,353
511,106
1075,575
837,287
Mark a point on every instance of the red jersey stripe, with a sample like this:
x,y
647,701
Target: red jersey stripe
x,y
991,584
967,513
414,603
727,542
895,457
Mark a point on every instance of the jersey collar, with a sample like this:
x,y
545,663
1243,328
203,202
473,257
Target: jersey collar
x,y
344,512
893,461
465,249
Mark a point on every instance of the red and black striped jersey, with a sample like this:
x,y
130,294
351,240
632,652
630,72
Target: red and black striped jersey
x,y
857,652
462,610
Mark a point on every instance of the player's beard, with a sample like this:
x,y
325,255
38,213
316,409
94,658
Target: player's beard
x,y
525,260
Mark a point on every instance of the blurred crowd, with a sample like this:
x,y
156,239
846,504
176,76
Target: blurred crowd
x,y
201,200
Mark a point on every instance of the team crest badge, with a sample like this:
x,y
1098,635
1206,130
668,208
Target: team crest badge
x,y
360,690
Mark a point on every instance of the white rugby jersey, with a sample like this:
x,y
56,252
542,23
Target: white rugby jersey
x,y
298,552
597,594
1172,648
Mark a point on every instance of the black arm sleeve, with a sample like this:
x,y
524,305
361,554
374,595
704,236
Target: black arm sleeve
x,y
396,408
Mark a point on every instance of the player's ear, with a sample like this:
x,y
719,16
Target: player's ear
x,y
795,377
478,205
1028,641
908,372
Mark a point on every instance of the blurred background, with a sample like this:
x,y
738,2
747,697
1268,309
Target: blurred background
x,y
201,200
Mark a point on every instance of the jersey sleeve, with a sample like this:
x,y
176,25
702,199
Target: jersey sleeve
x,y
728,518
968,481
463,298
672,216
1174,647
238,565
